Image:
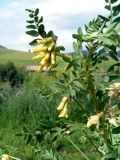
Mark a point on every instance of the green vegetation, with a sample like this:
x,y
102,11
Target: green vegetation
x,y
71,114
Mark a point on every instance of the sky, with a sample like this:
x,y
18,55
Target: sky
x,y
62,16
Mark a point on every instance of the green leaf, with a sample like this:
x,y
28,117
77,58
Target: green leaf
x,y
107,7
71,64
117,19
113,1
103,18
116,130
33,33
31,15
31,27
111,68
72,92
78,37
66,59
28,139
116,10
36,11
33,43
109,156
106,79
41,31
32,21
40,20
111,27
106,1
60,48
78,84
107,41
36,19
50,34
113,56
75,46
29,10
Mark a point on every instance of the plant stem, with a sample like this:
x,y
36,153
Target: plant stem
x,y
90,140
78,149
111,13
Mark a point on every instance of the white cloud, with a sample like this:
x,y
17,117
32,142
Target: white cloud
x,y
63,17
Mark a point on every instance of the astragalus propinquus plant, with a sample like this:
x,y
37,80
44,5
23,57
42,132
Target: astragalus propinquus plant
x,y
90,99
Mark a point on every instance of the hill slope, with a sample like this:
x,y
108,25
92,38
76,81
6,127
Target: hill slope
x,y
19,58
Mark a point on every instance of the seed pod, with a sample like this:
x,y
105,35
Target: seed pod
x,y
40,68
64,112
61,106
44,41
51,46
43,61
47,56
41,49
64,99
67,56
40,56
53,58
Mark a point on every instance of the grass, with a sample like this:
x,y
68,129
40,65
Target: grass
x,y
19,58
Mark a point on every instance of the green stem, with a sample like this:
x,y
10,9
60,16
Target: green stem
x,y
78,149
90,140
111,13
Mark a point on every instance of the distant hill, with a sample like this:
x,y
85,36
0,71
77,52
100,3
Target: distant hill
x,y
19,58
2,47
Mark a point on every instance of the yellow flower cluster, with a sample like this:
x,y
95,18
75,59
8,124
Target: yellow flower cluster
x,y
63,107
46,52
114,90
94,119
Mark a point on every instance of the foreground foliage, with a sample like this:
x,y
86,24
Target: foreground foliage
x,y
89,109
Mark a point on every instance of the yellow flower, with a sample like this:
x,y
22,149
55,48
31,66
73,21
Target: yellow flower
x,y
63,107
114,89
41,49
64,112
40,56
94,120
44,41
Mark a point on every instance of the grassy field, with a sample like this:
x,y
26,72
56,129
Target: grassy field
x,y
19,58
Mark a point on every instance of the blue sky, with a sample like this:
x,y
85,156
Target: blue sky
x,y
61,16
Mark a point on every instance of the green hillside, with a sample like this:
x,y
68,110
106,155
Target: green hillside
x,y
19,58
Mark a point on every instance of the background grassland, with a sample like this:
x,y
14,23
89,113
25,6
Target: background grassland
x,y
21,58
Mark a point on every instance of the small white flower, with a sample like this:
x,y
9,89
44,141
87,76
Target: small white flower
x,y
114,89
113,121
5,157
94,120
